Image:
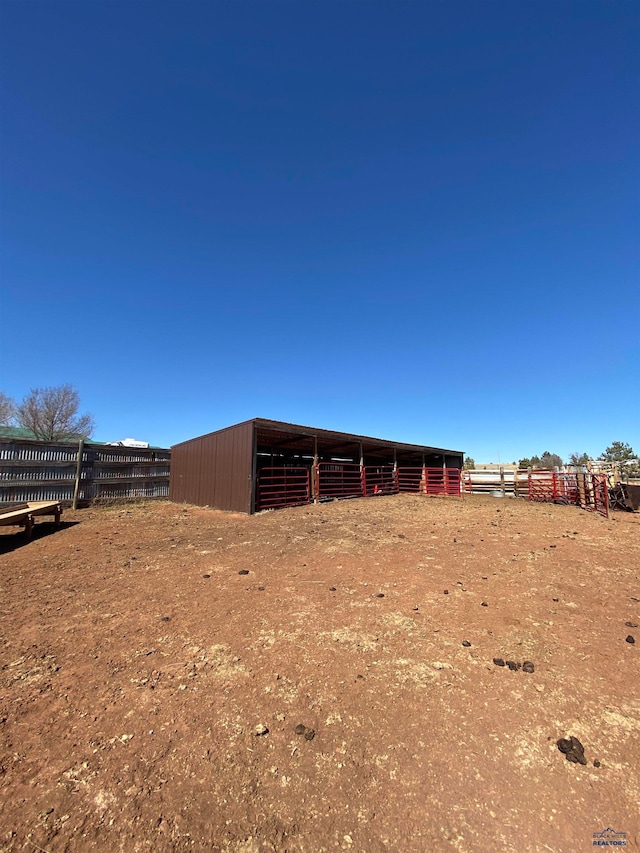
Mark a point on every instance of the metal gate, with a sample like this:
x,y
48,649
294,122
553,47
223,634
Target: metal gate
x,y
542,486
433,481
596,493
429,481
411,480
280,487
379,480
453,482
339,480
586,490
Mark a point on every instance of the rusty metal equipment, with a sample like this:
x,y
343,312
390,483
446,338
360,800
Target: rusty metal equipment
x,y
624,496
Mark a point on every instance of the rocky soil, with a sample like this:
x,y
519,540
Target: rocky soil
x,y
397,674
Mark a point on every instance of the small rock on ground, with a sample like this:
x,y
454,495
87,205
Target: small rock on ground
x,y
572,749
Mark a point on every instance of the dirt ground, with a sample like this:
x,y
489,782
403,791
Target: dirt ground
x,y
156,660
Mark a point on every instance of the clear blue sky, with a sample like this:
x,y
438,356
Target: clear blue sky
x,y
414,220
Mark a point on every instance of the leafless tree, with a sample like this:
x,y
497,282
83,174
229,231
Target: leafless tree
x,y
52,414
7,409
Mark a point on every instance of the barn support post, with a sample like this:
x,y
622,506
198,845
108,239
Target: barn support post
x,y
76,485
502,482
253,486
315,485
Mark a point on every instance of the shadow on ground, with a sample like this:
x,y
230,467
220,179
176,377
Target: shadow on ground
x,y
15,537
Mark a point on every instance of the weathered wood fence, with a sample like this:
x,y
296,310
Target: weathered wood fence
x,y
42,471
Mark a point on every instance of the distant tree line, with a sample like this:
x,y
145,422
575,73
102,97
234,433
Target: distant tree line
x,y
51,414
619,453
547,460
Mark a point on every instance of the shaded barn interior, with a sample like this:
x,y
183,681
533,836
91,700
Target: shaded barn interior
x,y
262,464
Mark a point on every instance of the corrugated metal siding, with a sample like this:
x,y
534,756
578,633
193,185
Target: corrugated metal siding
x,y
219,469
215,470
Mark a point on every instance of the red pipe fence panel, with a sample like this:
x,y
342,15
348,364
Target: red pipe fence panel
x,y
586,490
339,480
429,481
542,486
280,487
379,480
453,482
442,481
599,489
411,480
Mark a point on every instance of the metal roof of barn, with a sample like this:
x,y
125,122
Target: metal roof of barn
x,y
299,435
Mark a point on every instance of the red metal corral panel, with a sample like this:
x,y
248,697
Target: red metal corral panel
x,y
379,480
429,481
280,487
411,479
339,480
215,469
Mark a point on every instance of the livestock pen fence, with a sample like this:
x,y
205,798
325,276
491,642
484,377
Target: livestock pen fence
x,y
579,488
296,486
53,471
291,485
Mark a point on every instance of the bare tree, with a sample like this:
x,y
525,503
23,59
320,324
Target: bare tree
x,y
7,409
52,414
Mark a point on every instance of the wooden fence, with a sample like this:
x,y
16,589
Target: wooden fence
x,y
42,471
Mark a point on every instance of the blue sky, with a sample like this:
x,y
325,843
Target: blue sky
x,y
414,220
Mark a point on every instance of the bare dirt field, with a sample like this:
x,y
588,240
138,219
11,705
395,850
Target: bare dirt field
x,y
321,678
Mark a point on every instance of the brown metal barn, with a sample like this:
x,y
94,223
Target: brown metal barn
x,y
262,464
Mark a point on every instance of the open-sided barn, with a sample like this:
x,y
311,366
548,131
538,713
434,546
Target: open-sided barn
x,y
263,464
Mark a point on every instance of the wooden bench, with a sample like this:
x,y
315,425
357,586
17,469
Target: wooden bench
x,y
24,514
